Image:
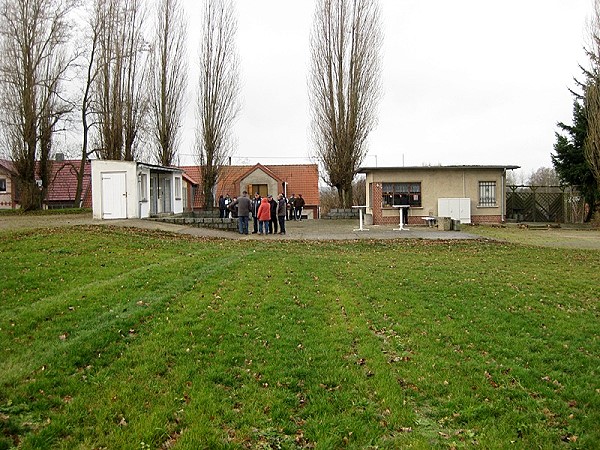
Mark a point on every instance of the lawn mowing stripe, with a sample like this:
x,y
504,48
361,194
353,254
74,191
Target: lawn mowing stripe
x,y
98,322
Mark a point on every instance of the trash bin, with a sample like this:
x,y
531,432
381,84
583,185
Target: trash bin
x,y
456,224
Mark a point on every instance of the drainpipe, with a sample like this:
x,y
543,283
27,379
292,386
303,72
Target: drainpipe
x,y
503,201
139,177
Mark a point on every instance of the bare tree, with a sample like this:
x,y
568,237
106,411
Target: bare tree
x,y
218,92
344,86
34,36
168,79
89,54
591,145
120,101
544,176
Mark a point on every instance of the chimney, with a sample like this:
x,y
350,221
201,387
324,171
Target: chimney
x,y
59,157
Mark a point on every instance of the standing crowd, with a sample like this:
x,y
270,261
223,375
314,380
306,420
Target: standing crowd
x,y
269,215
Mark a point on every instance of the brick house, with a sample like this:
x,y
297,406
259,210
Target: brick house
x,y
8,195
264,179
471,194
61,191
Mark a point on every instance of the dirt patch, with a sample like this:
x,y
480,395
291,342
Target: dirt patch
x,y
323,229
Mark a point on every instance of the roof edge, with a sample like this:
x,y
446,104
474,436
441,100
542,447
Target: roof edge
x,y
452,167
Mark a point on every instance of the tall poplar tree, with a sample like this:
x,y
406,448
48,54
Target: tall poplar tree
x,y
168,80
344,86
218,92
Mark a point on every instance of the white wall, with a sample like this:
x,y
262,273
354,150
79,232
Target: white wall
x,y
137,188
129,169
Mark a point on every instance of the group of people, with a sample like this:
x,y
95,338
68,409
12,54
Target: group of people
x,y
269,215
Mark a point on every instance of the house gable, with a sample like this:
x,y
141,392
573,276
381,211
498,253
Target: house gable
x,y
260,175
299,179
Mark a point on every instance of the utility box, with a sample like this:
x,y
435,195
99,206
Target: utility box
x,y
455,208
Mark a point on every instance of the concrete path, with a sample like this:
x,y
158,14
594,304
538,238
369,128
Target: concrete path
x,y
321,229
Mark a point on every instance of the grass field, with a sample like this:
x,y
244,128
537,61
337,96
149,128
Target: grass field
x,y
115,338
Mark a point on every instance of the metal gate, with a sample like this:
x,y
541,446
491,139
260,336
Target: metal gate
x,y
556,204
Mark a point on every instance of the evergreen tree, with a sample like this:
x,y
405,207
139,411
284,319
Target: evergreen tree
x,y
569,158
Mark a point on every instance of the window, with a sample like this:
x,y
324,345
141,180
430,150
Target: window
x,y
143,187
487,193
393,192
260,189
177,188
2,184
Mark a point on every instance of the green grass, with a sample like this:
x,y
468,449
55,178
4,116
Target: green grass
x,y
116,338
43,212
564,237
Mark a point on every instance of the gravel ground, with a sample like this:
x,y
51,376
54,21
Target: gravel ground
x,y
328,230
302,230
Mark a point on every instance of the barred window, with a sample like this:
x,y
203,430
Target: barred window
x,y
393,192
487,193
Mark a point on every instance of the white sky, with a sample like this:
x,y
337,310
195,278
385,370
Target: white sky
x,y
465,81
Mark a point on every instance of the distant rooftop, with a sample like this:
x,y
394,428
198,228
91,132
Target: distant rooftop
x,y
457,167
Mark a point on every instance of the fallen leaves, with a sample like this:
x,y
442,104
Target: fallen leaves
x,y
491,380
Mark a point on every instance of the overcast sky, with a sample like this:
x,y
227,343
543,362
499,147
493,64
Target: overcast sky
x,y
465,81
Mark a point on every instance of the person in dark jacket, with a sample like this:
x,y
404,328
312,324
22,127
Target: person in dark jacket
x,y
292,213
255,206
242,205
273,204
222,207
405,202
298,205
281,211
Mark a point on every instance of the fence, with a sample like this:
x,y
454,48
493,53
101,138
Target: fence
x,y
556,204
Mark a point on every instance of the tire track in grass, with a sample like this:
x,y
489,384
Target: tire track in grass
x,y
95,330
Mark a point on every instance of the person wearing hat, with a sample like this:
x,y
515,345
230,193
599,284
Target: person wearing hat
x,y
273,203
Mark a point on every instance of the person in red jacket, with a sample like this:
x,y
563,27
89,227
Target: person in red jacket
x,y
264,216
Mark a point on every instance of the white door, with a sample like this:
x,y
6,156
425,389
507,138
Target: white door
x,y
114,195
153,194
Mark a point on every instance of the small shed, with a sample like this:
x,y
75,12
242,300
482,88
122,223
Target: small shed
x,y
129,189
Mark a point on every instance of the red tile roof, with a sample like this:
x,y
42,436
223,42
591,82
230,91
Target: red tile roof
x,y
8,165
300,178
63,182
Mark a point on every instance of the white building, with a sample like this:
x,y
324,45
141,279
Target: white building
x,y
127,190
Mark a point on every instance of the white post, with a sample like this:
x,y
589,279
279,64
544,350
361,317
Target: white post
x,y
401,211
360,218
